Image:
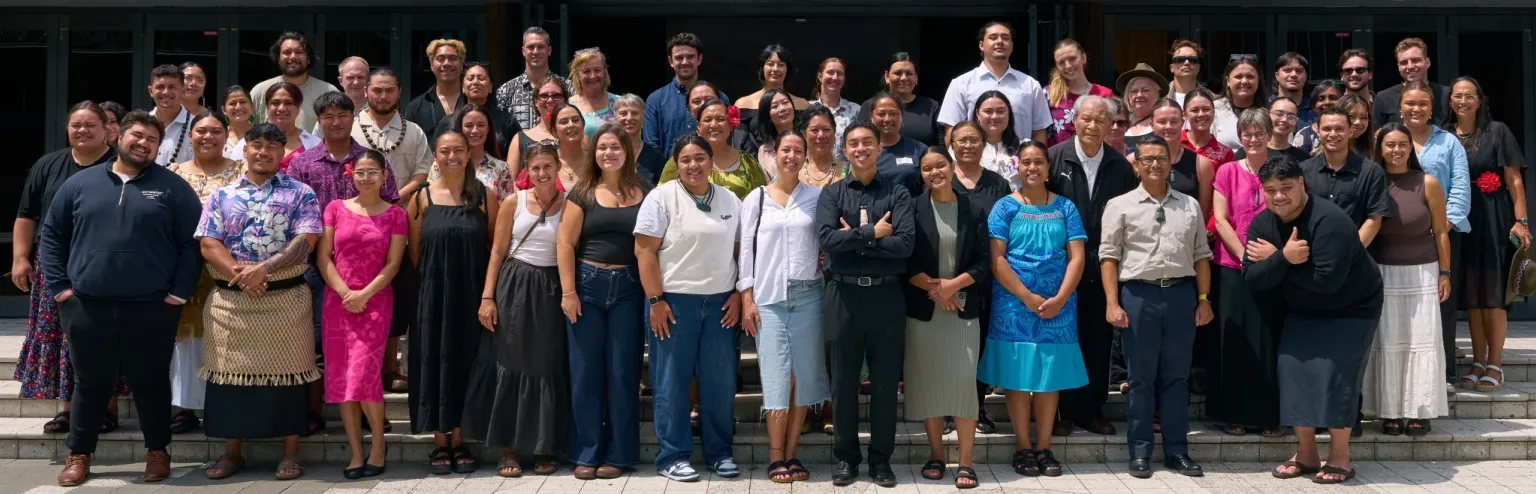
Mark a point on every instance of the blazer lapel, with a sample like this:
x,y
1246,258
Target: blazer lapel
x,y
923,209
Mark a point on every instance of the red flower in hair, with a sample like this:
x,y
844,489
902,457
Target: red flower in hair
x,y
1489,182
733,116
346,170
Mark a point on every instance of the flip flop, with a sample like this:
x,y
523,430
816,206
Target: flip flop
x,y
1332,470
1300,470
225,466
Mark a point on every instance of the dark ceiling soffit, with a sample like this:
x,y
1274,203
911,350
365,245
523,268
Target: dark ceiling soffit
x,y
1330,4
880,8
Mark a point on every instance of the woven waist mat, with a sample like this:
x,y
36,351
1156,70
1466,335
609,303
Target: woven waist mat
x,y
266,340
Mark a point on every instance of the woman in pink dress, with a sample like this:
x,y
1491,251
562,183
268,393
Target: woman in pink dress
x,y
360,253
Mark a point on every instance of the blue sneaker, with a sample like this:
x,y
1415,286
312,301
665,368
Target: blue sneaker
x,y
681,471
727,468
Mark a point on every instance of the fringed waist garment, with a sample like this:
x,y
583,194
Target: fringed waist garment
x,y
260,341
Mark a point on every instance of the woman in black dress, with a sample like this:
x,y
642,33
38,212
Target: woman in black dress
x,y
1497,214
451,221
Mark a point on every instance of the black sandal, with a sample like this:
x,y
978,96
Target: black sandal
x,y
1418,427
1273,432
440,460
59,424
316,424
109,423
1300,470
463,460
1236,430
184,422
1049,466
1392,427
966,473
779,474
797,470
933,470
1333,470
1024,463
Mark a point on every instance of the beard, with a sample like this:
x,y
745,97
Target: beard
x,y
291,71
137,164
382,109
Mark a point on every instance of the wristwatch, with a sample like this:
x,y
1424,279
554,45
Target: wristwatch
x,y
1445,273
1202,298
654,300
1524,221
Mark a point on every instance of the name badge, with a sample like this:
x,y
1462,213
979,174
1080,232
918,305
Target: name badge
x,y
904,161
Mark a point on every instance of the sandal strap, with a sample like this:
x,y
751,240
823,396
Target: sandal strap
x,y
1492,367
965,473
1488,379
1478,365
933,465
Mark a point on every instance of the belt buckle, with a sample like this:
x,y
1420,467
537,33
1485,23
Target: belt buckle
x,y
865,281
1165,282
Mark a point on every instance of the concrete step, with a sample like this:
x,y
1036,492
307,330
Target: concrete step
x,y
1451,440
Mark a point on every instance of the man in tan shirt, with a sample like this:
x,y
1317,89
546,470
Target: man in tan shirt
x,y
1155,262
381,128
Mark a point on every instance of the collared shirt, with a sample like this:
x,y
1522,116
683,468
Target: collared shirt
x,y
1444,158
176,143
255,221
1150,250
667,116
784,241
325,175
847,112
312,88
425,110
856,251
1359,187
995,158
306,141
1030,109
409,152
1090,165
516,97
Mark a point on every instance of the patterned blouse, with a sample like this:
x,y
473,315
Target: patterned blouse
x,y
255,221
206,185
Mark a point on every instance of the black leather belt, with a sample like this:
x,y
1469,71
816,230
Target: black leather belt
x,y
1165,282
272,286
862,280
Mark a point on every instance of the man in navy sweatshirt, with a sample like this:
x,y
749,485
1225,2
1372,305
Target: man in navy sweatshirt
x,y
117,248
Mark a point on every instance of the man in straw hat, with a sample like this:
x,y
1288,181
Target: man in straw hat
x,y
258,344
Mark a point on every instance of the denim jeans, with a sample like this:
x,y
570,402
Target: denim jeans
x,y
604,361
790,343
698,347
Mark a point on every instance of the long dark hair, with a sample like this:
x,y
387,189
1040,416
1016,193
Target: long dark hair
x,y
763,130
1378,156
1261,81
584,192
1363,144
492,140
1484,118
1010,136
473,192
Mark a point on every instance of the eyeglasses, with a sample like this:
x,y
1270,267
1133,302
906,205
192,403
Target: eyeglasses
x,y
1243,57
1253,136
367,173
1355,70
969,141
1121,123
1152,160
1280,115
550,96
1186,59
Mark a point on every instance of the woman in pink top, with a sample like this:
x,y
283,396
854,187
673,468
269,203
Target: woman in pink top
x,y
1244,386
1069,82
359,256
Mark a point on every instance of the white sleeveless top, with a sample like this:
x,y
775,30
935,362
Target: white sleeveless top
x,y
538,248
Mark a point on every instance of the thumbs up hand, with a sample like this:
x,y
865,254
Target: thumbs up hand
x,y
1297,251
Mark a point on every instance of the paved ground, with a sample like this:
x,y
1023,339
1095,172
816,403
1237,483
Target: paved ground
x,y
1488,477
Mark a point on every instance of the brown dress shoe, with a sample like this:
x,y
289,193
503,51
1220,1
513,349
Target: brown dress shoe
x,y
1062,428
608,472
157,466
76,469
585,473
1096,426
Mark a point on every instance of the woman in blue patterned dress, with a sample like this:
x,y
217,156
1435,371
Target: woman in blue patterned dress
x,y
1032,352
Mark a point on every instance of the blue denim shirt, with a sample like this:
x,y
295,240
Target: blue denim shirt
x,y
667,117
1445,159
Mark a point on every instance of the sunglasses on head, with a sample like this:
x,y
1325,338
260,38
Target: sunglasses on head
x,y
1243,57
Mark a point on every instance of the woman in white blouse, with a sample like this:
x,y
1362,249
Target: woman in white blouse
x,y
995,115
683,236
780,283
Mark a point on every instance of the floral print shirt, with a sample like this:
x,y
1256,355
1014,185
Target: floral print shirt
x,y
255,221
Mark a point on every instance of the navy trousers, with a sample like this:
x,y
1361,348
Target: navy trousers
x,y
1158,346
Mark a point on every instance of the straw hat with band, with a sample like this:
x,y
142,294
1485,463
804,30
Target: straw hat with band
x,y
1142,70
1522,276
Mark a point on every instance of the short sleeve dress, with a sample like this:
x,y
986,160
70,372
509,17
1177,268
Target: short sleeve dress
x,y
353,344
1486,253
1023,351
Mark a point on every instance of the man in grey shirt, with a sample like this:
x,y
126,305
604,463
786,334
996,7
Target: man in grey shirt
x,y
293,56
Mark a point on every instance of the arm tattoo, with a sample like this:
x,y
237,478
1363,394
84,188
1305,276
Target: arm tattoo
x,y
294,253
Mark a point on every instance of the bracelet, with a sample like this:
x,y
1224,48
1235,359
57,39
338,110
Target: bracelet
x,y
487,298
1445,273
567,294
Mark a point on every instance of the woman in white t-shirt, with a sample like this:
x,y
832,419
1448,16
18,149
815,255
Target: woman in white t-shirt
x,y
780,281
683,239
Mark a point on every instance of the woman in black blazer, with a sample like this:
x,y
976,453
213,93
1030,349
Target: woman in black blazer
x,y
947,286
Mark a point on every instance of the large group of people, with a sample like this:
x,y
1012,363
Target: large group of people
x,y
258,258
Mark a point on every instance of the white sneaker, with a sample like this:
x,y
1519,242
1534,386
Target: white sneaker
x,y
681,471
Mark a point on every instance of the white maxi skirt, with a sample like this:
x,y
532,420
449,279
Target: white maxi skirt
x,y
1405,376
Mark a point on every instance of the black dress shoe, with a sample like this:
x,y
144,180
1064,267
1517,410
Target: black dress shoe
x,y
882,474
1062,428
1141,468
984,423
1183,464
844,473
1097,426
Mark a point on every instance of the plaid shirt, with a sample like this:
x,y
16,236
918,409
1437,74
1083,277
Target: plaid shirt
x,y
516,97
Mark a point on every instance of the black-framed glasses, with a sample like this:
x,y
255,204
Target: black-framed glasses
x,y
1153,160
1186,59
1355,70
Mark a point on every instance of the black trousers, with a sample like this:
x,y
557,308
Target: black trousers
x,y
865,323
1448,309
111,339
1094,337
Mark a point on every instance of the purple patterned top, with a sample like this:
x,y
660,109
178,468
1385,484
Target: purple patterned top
x,y
316,168
256,221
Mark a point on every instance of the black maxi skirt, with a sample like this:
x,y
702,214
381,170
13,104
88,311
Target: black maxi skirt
x,y
519,390
1246,390
1322,365
255,412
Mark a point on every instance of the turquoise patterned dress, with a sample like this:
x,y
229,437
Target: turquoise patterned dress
x,y
1025,352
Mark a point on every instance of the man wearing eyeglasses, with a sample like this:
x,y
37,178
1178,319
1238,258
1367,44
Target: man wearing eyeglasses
x,y
1413,64
1089,173
1154,260
1355,69
447,60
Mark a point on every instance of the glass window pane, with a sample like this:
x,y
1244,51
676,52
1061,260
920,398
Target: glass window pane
x,y
1147,46
1385,51
255,61
1322,49
372,45
1504,84
421,69
23,120
101,66
197,46
1221,46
